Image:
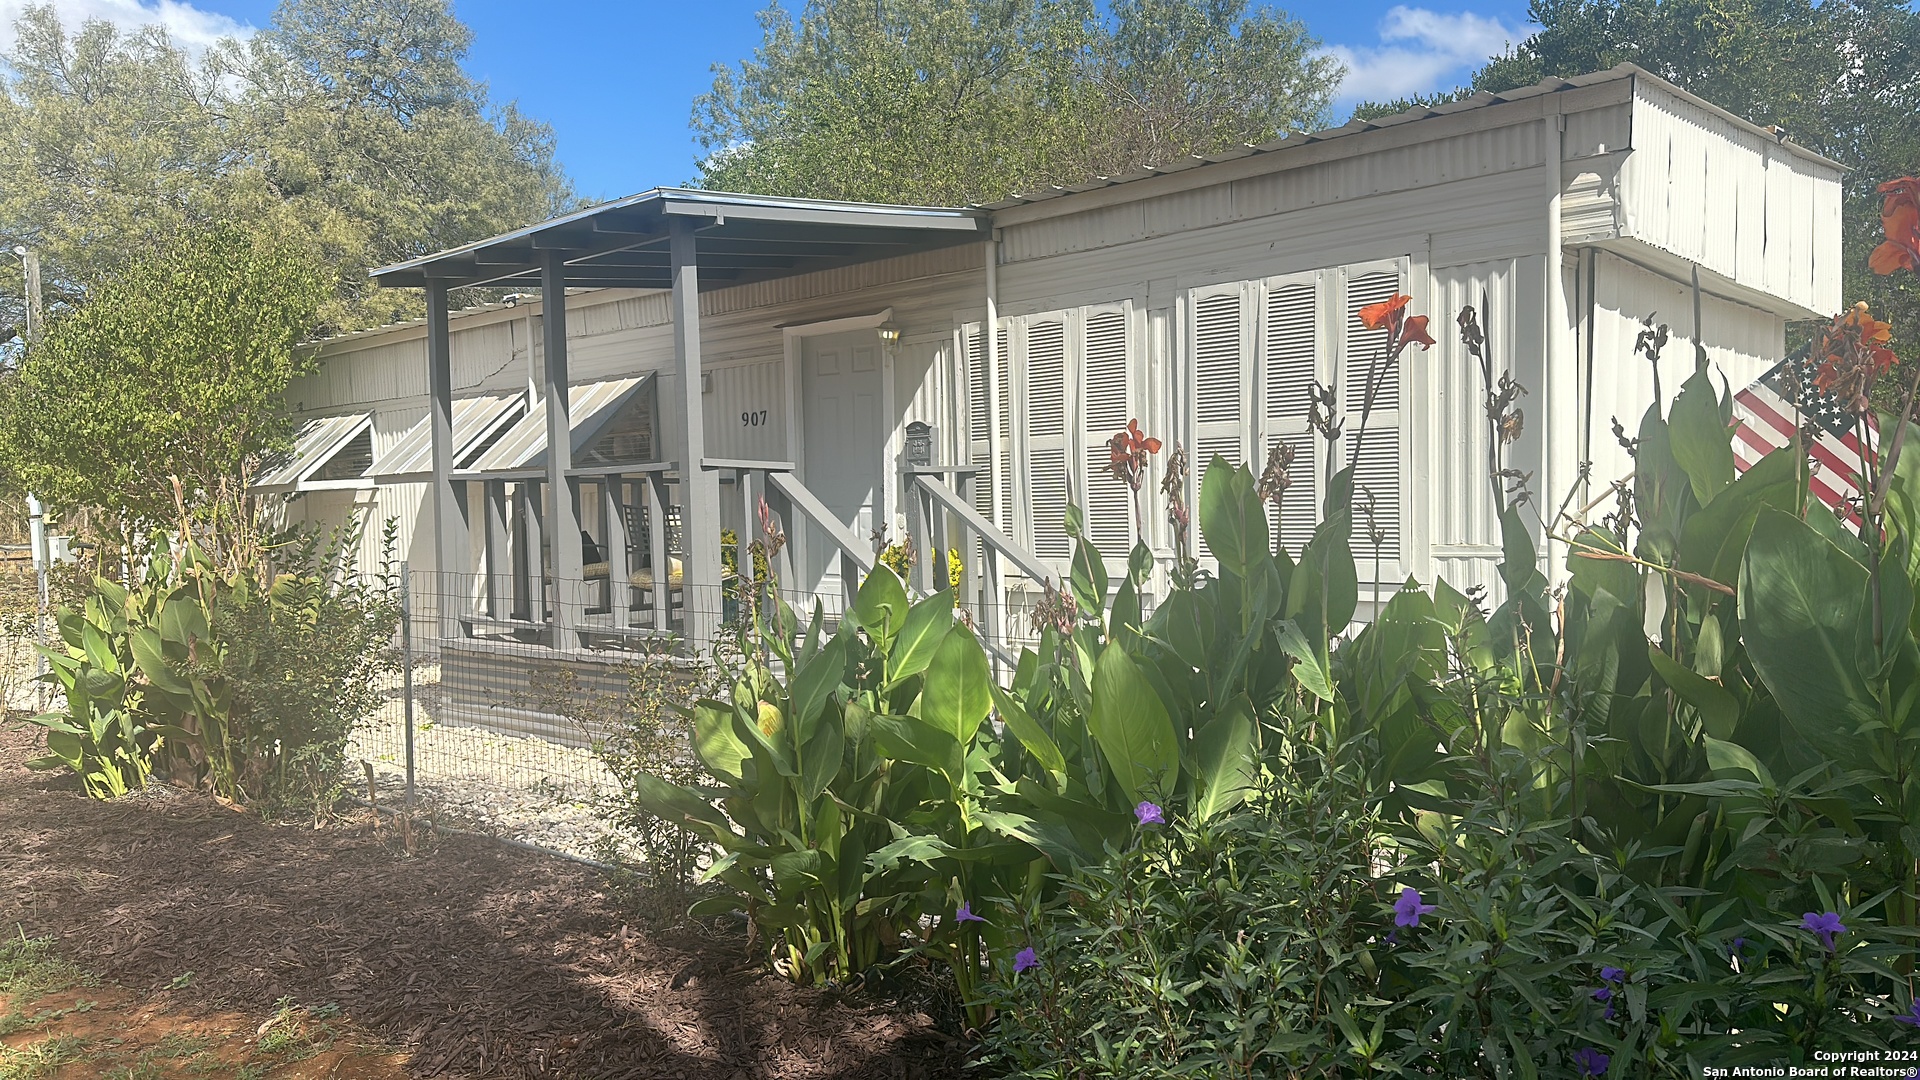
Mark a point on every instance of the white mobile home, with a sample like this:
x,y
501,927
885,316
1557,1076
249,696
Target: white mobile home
x,y
699,352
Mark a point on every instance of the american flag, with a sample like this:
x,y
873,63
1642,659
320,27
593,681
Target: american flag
x,y
1764,415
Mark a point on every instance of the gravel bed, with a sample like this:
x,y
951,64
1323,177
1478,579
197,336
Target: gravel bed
x,y
522,788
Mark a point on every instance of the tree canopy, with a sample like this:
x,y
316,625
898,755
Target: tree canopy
x,y
348,123
1842,77
955,101
176,366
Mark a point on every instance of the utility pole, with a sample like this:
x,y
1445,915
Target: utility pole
x,y
36,513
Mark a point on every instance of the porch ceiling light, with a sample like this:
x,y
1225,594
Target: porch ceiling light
x,y
889,333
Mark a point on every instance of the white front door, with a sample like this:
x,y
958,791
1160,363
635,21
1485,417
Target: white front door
x,y
845,423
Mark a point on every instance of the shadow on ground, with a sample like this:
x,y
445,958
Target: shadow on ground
x,y
477,959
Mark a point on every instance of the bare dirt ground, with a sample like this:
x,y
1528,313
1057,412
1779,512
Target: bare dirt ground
x,y
465,959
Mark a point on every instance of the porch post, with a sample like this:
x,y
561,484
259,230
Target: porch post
x,y
452,557
563,531
699,486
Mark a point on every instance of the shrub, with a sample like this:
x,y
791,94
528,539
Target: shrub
x,y
1239,946
644,728
245,683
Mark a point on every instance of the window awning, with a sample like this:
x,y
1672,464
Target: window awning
x,y
523,449
476,421
317,444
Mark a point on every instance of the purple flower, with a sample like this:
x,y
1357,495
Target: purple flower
x,y
966,915
1393,937
1608,1015
1408,909
1024,959
1592,1062
1913,1014
1612,974
1739,944
1149,814
1823,925
1603,994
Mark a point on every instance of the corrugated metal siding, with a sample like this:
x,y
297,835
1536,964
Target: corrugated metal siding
x,y
1347,180
1732,201
1741,344
1448,473
746,412
1489,214
842,280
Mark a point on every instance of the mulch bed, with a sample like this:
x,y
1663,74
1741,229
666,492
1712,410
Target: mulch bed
x,y
478,959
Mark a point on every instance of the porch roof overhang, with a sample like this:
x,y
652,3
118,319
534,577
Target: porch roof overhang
x,y
317,441
741,238
475,421
521,453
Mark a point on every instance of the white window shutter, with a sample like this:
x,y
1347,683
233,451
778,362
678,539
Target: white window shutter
x,y
1292,359
1106,407
1222,359
1378,467
1049,485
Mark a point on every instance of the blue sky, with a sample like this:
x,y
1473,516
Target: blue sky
x,y
617,79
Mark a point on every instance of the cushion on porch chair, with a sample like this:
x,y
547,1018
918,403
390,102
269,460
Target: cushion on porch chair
x,y
643,577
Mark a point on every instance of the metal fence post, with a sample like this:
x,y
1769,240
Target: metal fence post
x,y
406,669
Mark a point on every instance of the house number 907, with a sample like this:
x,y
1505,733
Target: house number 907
x,y
753,418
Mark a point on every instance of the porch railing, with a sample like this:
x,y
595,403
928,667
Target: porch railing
x,y
941,519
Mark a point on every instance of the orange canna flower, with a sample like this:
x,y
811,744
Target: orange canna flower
x,y
1900,220
1415,333
1901,249
1386,313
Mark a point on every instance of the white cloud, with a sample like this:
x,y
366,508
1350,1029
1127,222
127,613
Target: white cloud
x,y
190,27
1420,51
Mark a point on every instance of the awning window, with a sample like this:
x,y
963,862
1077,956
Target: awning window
x,y
477,423
328,452
613,423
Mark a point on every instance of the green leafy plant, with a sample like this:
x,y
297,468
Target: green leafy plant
x,y
246,683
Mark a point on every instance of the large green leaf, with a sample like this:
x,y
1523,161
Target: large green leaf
x,y
149,655
956,696
1325,589
1029,732
881,605
815,682
820,759
1800,615
1232,521
1223,759
1719,710
675,803
926,626
1700,442
714,741
908,738
1133,729
1088,578
1312,667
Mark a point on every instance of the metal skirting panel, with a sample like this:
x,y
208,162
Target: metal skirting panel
x,y
515,690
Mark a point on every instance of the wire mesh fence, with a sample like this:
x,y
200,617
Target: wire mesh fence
x,y
525,723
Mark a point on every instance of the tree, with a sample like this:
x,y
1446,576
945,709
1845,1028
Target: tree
x,y
348,121
176,367
941,102
1842,77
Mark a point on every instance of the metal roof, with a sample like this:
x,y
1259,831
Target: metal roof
x,y
523,448
1481,100
475,420
317,441
623,243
